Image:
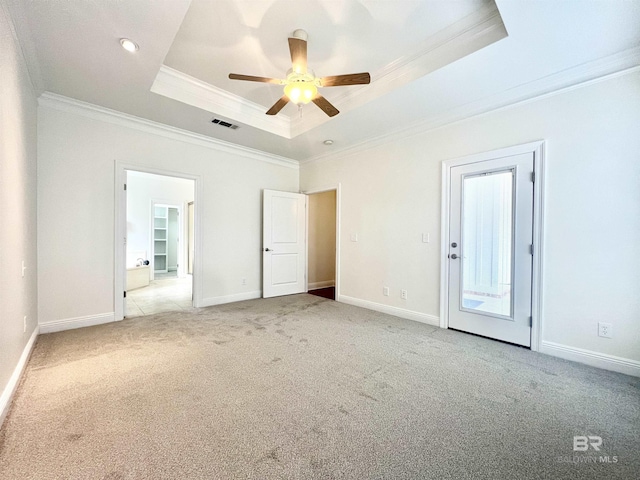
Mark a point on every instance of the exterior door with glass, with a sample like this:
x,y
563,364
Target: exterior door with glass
x,y
490,248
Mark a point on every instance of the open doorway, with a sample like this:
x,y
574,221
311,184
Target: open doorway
x,y
321,253
157,254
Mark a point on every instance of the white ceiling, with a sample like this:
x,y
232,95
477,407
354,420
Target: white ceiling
x,y
432,62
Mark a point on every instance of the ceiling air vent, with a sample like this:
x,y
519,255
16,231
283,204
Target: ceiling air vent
x,y
222,123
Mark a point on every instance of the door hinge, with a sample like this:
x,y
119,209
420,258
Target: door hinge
x,y
125,186
125,294
531,249
530,321
533,177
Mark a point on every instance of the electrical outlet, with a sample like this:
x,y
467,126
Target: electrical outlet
x,y
385,291
426,238
24,324
605,330
403,294
243,281
354,237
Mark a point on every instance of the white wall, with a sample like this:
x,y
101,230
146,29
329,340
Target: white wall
x,y
142,190
76,168
18,294
391,195
322,239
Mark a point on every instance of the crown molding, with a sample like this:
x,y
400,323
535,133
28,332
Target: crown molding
x,y
88,110
187,89
580,76
471,30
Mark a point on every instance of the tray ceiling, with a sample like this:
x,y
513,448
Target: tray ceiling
x,y
432,62
396,42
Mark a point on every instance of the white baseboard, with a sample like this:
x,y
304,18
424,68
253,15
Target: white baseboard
x,y
325,284
595,359
77,322
395,311
14,380
236,297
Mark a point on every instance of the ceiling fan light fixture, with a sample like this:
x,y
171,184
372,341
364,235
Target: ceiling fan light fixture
x,y
301,92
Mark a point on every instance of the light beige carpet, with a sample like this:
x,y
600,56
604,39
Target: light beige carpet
x,y
302,387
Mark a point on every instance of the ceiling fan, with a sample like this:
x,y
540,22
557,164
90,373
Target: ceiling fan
x,y
301,85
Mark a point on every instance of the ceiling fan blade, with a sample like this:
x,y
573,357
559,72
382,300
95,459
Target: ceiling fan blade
x,y
325,106
298,49
351,79
250,78
278,105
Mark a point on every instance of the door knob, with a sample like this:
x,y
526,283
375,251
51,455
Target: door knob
x,y
454,244
453,256
268,250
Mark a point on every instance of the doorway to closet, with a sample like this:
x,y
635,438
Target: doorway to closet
x,y
321,249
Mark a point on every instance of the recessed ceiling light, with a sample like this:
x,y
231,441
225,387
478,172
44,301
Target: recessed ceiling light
x,y
328,142
129,45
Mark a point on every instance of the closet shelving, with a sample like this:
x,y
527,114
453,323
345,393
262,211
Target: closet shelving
x,y
160,227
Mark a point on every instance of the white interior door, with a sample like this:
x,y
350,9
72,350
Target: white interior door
x,y
490,250
283,243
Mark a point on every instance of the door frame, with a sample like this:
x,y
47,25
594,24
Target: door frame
x,y
538,150
120,231
312,191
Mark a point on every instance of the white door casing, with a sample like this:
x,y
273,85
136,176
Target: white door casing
x,y
283,243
